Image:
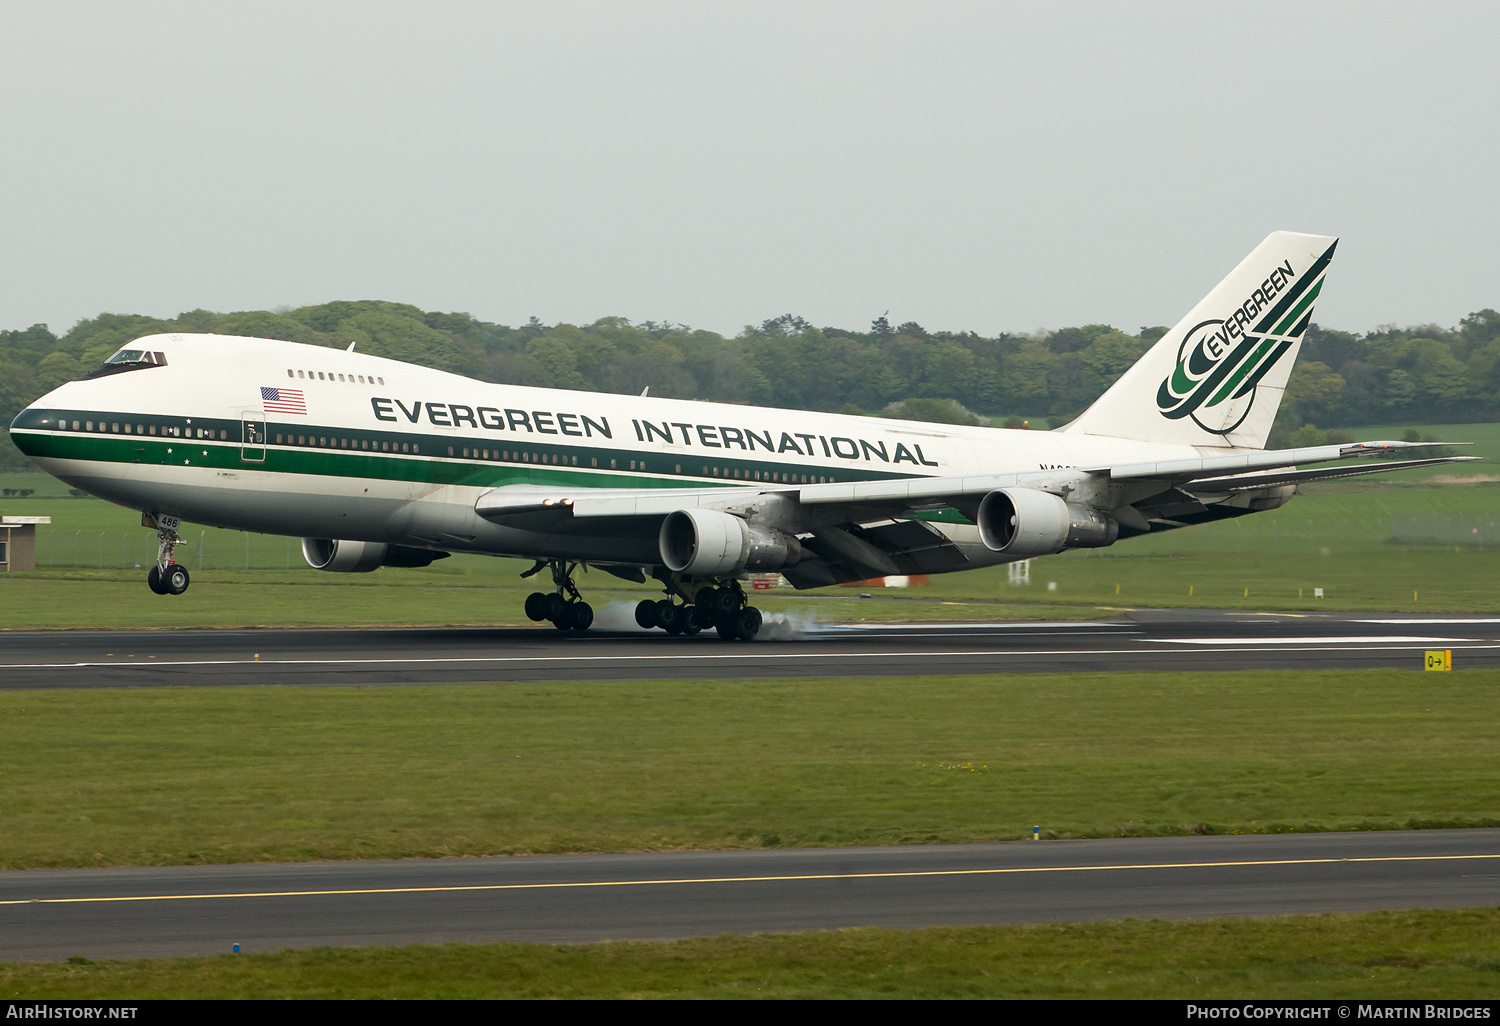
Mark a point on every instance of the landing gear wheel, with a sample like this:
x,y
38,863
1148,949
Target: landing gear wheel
x,y
700,617
645,614
176,579
536,606
670,617
743,625
557,608
725,602
154,582
580,616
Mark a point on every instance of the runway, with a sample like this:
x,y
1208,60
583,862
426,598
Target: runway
x,y
1195,640
161,911
195,910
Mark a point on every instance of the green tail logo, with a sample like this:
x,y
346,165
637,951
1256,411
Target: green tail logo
x,y
1221,361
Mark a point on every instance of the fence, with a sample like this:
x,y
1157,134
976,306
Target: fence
x,y
1434,529
1256,534
212,550
1284,533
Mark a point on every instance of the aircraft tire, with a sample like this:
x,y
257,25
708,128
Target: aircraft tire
x,y
727,630
747,623
557,608
536,606
670,617
176,579
726,602
701,617
153,581
563,623
581,616
645,614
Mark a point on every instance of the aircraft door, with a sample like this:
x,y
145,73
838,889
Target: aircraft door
x,y
253,437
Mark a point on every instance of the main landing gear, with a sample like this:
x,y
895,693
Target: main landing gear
x,y
722,607
167,577
565,607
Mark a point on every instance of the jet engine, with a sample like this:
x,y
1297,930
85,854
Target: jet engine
x,y
360,557
708,541
1028,522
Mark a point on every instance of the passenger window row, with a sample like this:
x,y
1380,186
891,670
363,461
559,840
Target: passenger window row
x,y
528,457
507,455
766,475
414,448
361,444
330,376
167,430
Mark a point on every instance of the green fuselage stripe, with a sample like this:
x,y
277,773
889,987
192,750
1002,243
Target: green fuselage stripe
x,y
327,451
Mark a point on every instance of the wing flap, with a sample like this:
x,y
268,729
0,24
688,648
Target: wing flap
x,y
855,553
1246,482
1189,469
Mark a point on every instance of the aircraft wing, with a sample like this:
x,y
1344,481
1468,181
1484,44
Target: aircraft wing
x,y
864,529
895,497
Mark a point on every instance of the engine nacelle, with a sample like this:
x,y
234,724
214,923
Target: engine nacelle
x,y
343,557
708,541
1028,522
360,557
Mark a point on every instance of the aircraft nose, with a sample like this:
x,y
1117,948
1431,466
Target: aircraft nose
x,y
26,430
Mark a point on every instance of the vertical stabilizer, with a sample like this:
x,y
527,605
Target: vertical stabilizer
x,y
1217,378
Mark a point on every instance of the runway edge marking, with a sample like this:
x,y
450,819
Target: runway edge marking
x,y
679,881
1311,645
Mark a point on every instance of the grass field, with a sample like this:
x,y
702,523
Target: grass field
x,y
189,775
1383,955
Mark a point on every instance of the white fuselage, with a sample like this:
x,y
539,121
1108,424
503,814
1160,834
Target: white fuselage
x,y
391,452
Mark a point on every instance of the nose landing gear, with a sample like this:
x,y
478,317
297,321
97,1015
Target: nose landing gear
x,y
565,607
167,577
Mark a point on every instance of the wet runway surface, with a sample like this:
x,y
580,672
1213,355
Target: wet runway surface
x,y
1196,640
160,911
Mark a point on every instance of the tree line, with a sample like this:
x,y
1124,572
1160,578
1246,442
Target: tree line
x,y
1417,374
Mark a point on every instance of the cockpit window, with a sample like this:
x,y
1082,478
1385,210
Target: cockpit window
x,y
128,360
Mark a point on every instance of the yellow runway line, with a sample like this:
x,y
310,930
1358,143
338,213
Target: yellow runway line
x,y
894,875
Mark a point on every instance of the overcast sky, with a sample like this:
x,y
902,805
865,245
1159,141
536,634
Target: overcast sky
x,y
970,166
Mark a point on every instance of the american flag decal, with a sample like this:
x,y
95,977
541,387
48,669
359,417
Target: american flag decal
x,y
283,400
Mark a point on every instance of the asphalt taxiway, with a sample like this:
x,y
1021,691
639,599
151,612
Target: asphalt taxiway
x,y
1196,640
187,910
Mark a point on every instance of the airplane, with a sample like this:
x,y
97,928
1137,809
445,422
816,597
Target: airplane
x,y
374,462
